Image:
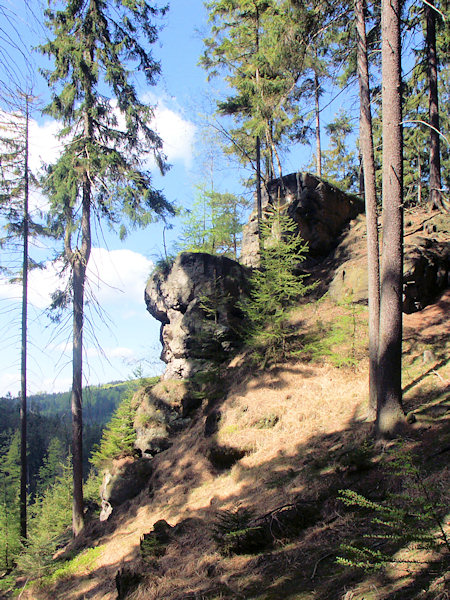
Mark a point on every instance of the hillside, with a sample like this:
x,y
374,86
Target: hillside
x,y
286,441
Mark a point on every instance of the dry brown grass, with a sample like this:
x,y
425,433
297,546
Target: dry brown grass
x,y
300,424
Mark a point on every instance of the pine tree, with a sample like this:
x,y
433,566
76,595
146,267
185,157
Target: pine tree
x,y
10,501
16,180
338,163
118,436
52,465
252,43
50,517
433,106
214,224
275,286
100,173
370,198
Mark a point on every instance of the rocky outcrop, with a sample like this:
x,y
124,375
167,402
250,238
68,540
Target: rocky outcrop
x,y
426,268
320,210
123,481
162,410
196,302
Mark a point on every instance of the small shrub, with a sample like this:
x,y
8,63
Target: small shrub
x,y
411,519
126,582
224,457
360,457
153,544
267,422
235,534
275,287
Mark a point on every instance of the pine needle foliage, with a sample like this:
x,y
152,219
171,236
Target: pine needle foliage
x,y
276,286
49,526
118,436
234,532
412,519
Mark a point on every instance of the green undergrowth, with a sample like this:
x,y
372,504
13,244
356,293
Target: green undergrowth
x,y
411,518
342,342
82,562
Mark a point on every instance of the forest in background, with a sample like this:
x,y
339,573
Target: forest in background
x,y
49,441
276,59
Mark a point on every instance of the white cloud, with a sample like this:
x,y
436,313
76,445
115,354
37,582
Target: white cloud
x,y
45,147
115,276
118,276
9,382
41,284
177,133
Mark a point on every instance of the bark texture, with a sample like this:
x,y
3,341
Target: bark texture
x,y
435,199
80,259
317,111
23,366
370,196
389,407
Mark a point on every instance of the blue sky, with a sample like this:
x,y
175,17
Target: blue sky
x,y
126,333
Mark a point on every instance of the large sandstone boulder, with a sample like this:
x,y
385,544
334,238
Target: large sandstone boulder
x,y
320,210
196,302
161,410
123,481
426,268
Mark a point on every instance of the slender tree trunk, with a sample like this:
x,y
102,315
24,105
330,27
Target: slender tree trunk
x,y
389,407
317,111
80,259
23,367
258,139
435,200
79,265
370,196
258,183
419,181
78,274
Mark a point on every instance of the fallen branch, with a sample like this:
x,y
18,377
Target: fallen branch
x,y
319,561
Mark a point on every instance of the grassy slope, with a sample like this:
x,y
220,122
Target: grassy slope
x,y
302,427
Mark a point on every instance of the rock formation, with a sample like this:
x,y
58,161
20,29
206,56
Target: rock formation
x,y
196,302
426,269
320,210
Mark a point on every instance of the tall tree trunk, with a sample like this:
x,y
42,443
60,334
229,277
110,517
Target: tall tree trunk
x,y
370,196
317,111
258,183
389,407
78,274
79,265
258,139
419,181
23,367
435,199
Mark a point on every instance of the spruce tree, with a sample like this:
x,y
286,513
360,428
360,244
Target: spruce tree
x,y
100,173
338,162
252,43
16,182
214,224
118,436
275,286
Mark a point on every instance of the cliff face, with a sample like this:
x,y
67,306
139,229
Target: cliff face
x,y
320,210
196,302
196,299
